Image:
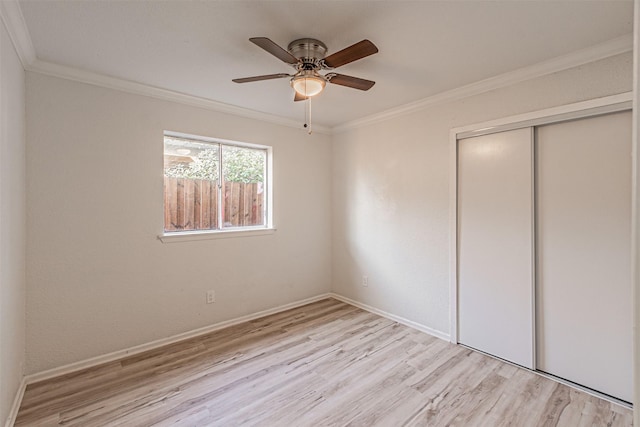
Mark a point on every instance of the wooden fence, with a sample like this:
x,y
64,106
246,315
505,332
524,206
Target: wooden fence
x,y
192,204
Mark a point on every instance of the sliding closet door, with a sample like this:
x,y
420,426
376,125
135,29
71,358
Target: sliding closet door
x,y
495,244
584,296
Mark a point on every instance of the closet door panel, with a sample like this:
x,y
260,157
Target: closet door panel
x,y
584,297
495,255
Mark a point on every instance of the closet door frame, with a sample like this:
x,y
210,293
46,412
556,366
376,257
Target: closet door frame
x,y
595,107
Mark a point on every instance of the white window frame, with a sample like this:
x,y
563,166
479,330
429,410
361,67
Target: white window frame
x,y
246,231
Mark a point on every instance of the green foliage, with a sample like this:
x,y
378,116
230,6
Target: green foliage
x,y
239,165
242,164
204,166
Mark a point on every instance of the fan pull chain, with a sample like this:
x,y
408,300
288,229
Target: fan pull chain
x,y
307,116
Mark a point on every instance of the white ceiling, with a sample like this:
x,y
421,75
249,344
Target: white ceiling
x,y
426,47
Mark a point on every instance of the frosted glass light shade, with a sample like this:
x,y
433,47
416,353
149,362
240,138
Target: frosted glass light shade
x,y
308,85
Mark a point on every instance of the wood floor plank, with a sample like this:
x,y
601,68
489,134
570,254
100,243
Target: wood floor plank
x,y
323,364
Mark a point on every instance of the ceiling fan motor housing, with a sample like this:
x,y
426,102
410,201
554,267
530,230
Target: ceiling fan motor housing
x,y
309,51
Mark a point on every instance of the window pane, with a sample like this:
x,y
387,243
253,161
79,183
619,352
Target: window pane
x,y
190,185
243,171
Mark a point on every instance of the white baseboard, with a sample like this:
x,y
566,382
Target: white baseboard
x,y
110,357
402,320
13,413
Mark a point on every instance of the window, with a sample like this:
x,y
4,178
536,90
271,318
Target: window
x,y
213,185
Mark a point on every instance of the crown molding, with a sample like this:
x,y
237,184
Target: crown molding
x,y
83,76
13,20
597,52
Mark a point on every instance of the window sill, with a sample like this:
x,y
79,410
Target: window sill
x,y
187,236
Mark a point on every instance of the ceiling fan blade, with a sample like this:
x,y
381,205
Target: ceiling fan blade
x,y
354,82
274,49
352,53
299,97
258,78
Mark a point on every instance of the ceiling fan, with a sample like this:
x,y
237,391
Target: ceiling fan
x,y
307,56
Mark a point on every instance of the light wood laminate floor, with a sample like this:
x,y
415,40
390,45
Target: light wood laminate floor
x,y
324,364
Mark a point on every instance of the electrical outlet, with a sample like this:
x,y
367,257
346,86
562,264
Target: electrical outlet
x,y
365,280
211,297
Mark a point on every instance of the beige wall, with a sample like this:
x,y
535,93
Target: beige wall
x,y
391,190
12,223
99,280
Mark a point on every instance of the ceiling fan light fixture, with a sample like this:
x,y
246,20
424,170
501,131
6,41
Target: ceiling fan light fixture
x,y
308,83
